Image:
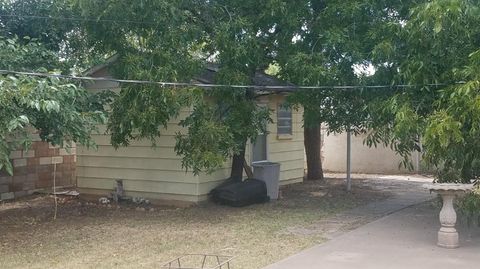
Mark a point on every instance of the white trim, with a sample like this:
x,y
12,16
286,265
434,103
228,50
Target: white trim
x,y
279,127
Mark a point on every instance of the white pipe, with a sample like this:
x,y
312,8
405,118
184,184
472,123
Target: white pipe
x,y
349,156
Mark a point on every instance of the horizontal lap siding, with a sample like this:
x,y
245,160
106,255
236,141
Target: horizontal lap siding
x,y
165,141
288,152
141,185
156,172
132,152
146,171
124,162
166,198
134,174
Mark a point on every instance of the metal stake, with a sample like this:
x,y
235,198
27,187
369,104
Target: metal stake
x,y
349,156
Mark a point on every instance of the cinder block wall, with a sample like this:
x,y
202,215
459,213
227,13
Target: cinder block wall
x,y
33,170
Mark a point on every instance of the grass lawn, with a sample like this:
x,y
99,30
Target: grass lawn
x,y
93,236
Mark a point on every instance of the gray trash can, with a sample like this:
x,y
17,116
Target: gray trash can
x,y
268,172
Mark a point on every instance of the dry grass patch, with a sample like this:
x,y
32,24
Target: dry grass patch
x,y
99,237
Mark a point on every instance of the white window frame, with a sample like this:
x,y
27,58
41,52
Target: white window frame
x,y
280,106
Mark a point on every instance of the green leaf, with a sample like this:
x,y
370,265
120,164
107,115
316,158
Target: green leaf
x,y
438,27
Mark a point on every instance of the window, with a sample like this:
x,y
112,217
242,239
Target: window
x,y
284,120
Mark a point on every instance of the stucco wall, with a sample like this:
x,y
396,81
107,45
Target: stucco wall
x,y
380,160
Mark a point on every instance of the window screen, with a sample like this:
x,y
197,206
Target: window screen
x,y
284,120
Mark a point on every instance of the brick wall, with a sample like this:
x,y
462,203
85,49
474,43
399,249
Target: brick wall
x,y
33,170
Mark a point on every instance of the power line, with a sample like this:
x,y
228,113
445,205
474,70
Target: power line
x,y
270,88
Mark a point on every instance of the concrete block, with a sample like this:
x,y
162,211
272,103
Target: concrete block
x,y
32,177
19,194
32,161
50,146
16,154
19,179
45,160
4,188
6,180
19,162
42,152
28,153
28,186
68,159
7,196
40,145
35,138
57,159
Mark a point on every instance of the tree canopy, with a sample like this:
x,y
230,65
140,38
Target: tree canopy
x,y
60,111
172,43
428,45
438,43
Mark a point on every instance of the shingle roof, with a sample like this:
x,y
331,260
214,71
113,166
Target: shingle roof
x,y
207,76
260,79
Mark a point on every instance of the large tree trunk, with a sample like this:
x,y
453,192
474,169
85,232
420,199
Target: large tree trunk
x,y
237,165
313,151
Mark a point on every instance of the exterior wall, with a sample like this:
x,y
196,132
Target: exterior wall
x,y
380,160
33,170
148,172
288,150
156,173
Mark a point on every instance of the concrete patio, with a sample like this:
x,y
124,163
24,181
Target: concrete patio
x,y
404,238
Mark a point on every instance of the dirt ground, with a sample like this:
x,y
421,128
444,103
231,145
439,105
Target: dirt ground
x,y
86,235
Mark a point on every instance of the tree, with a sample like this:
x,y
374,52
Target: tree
x,y
61,111
438,47
171,41
314,43
329,43
53,24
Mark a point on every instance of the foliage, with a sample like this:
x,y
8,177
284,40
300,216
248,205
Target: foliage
x,y
469,207
60,111
211,144
52,23
174,41
332,42
308,42
51,33
439,43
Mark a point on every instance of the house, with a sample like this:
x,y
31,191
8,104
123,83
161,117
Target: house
x,y
157,173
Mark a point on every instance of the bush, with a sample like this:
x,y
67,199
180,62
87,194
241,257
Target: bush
x,y
469,207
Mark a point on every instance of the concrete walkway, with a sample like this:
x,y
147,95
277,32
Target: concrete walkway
x,y
404,238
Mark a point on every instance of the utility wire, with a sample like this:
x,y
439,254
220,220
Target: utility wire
x,y
279,88
184,84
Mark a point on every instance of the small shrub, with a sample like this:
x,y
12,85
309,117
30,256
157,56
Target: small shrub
x,y
469,207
